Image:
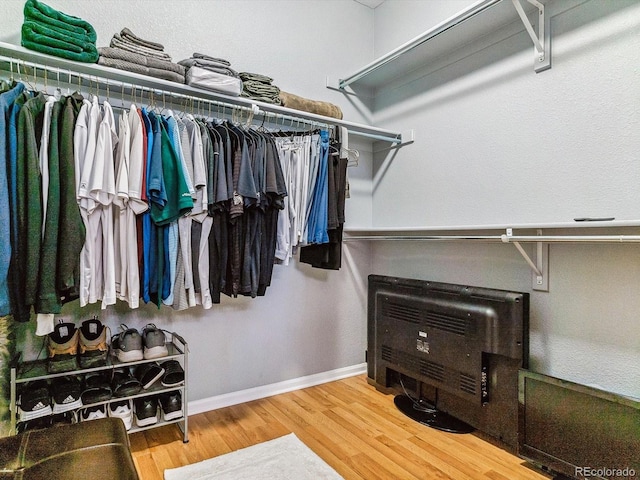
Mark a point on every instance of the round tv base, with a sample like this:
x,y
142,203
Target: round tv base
x,y
430,416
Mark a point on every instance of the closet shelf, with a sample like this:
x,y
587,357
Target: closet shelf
x,y
15,58
479,19
621,231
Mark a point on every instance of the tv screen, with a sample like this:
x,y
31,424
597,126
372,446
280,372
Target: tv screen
x,y
577,430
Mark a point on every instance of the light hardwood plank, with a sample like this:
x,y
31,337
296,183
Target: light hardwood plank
x,y
348,423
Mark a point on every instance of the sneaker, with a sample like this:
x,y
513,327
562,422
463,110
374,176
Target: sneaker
x,y
65,418
173,373
35,401
124,384
154,342
96,388
93,348
171,405
62,346
93,413
123,410
66,393
148,373
146,411
127,345
35,424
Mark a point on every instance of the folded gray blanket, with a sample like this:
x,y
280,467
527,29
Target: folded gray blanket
x,y
115,55
256,77
129,36
118,42
202,56
141,69
210,65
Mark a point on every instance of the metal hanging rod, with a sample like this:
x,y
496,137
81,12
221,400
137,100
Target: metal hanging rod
x,y
13,55
504,238
448,24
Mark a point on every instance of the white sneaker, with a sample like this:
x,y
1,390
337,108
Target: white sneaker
x,y
122,410
93,413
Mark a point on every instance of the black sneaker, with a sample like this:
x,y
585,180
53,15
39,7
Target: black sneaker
x,y
66,393
96,388
146,411
35,401
65,418
148,373
62,347
171,404
124,384
173,373
93,348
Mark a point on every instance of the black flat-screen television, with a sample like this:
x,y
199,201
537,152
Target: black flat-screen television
x,y
576,430
451,352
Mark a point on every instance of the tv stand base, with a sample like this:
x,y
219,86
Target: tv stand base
x,y
431,417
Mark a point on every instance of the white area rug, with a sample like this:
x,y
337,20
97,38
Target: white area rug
x,y
284,458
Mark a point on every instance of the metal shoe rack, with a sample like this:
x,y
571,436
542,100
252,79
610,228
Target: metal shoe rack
x,y
23,372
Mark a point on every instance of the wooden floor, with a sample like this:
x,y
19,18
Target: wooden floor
x,y
353,427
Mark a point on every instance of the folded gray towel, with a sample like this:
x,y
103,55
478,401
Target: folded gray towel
x,y
202,56
118,42
210,65
257,77
141,69
142,60
129,36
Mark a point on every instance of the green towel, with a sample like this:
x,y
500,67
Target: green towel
x,y
50,41
43,14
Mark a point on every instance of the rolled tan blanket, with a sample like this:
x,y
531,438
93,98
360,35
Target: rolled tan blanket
x,y
318,107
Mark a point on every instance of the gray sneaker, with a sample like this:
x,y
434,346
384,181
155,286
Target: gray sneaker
x,y
127,345
154,342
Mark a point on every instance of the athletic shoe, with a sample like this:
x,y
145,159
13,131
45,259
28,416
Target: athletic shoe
x,y
35,401
127,345
154,342
62,346
66,393
96,388
93,348
124,384
93,413
173,373
35,424
148,373
65,418
171,405
123,410
146,411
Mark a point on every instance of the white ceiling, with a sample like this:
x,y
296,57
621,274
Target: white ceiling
x,y
370,3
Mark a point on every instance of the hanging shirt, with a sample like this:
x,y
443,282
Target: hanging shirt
x,y
7,100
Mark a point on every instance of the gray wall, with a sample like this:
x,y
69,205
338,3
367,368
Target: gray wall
x,y
310,321
498,144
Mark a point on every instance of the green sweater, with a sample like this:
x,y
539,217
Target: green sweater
x,y
29,194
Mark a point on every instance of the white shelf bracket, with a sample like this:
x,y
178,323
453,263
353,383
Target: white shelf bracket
x,y
540,267
541,40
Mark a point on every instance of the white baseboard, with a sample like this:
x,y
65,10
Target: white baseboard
x,y
242,396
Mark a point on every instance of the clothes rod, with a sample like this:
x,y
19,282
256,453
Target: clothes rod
x,y
451,22
15,56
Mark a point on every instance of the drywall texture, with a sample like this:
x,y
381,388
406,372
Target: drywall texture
x,y
310,321
497,143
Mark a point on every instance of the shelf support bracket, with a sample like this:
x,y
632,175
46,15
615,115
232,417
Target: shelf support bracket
x,y
540,268
541,40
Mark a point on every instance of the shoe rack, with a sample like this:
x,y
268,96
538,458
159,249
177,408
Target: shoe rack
x,y
23,372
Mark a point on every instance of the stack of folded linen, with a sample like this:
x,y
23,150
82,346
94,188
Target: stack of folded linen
x,y
212,73
49,31
259,87
134,54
